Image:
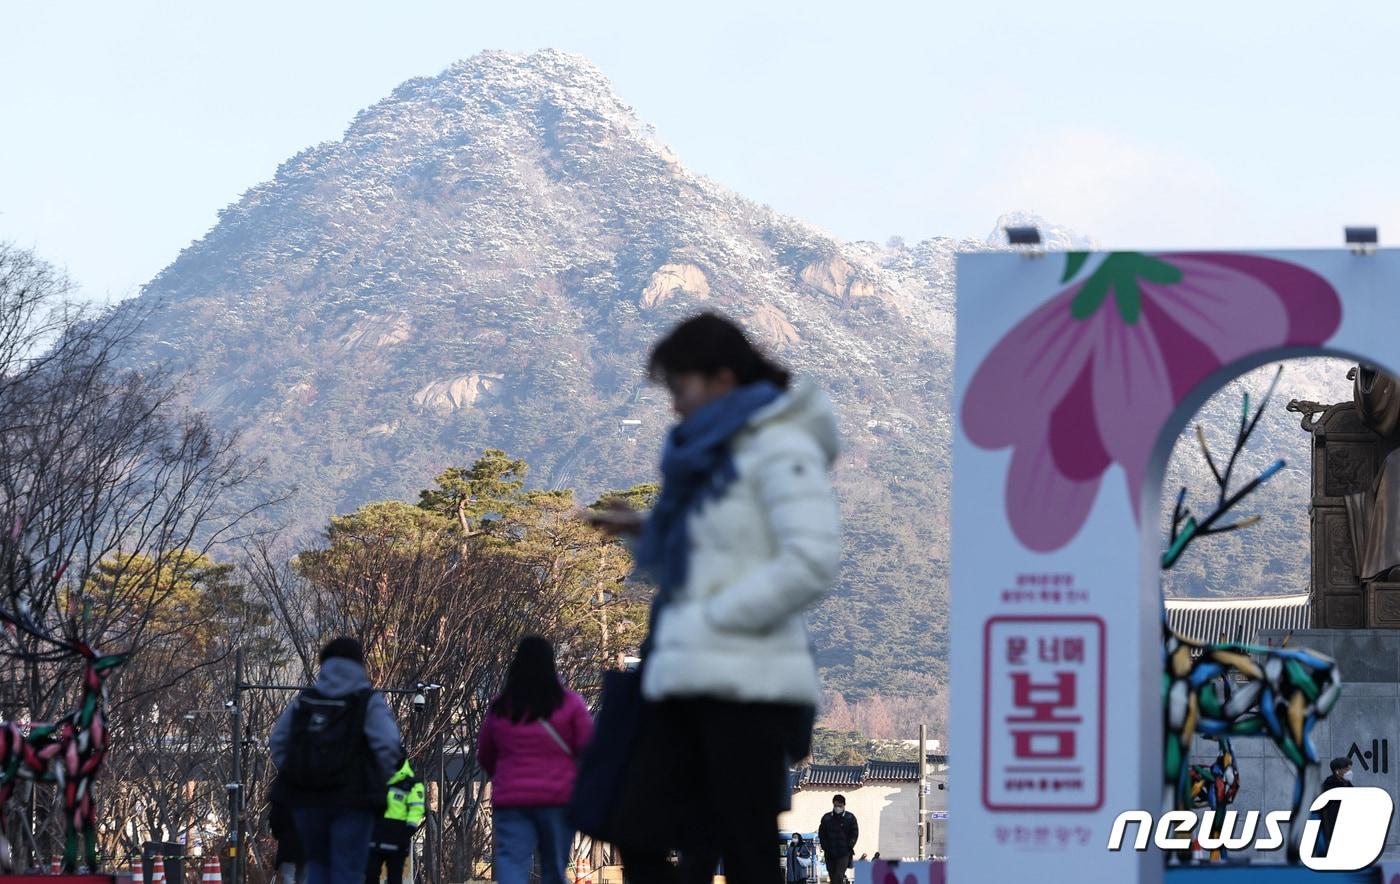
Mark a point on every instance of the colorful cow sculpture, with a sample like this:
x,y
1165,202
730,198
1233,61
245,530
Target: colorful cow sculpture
x,y
1284,693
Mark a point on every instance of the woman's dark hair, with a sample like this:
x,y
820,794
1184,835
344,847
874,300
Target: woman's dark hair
x,y
532,688
708,344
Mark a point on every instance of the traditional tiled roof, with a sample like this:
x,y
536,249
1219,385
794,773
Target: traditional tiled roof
x,y
1238,619
856,775
896,771
832,775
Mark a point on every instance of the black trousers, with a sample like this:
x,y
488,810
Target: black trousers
x,y
708,779
836,867
393,860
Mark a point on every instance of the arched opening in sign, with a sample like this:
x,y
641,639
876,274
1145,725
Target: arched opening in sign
x,y
1228,511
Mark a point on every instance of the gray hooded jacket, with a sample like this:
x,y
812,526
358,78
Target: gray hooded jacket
x,y
340,677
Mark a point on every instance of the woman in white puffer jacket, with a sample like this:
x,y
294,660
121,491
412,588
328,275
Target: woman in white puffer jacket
x,y
744,538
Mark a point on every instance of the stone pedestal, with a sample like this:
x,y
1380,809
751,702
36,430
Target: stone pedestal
x,y
1383,605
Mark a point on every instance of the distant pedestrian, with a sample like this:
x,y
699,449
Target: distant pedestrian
x,y
335,747
393,830
799,858
291,858
838,833
1340,779
529,746
743,539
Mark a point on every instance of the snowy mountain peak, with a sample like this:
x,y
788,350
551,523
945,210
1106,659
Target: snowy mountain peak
x,y
1053,237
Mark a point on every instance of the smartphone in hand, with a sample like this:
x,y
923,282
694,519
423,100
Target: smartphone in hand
x,y
615,519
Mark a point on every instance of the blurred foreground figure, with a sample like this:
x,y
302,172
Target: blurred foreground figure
x,y
744,538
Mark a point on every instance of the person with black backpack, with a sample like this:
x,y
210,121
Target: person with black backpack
x,y
335,747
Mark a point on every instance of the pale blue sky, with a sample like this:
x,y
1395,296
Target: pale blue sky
x,y
125,126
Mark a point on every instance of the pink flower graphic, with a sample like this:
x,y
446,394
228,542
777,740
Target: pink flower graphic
x,y
888,873
1089,378
884,872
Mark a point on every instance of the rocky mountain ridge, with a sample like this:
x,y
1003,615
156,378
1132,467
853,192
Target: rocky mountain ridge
x,y
483,261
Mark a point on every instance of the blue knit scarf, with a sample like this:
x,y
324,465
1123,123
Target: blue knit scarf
x,y
696,467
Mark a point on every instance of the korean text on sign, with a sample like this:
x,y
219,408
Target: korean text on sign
x,y
1043,717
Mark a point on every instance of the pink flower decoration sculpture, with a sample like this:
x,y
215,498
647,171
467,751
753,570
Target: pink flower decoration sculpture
x,y
1089,378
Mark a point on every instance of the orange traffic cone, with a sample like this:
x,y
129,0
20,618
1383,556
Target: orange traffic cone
x,y
583,872
158,871
213,873
138,872
56,867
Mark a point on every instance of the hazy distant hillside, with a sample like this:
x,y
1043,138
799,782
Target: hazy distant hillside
x,y
1273,556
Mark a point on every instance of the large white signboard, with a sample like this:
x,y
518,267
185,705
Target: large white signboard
x,y
1075,374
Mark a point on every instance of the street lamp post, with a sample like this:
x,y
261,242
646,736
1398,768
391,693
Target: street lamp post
x,y
235,786
420,705
438,855
923,792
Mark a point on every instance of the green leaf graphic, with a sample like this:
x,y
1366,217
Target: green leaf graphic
x,y
1128,296
1074,262
1091,296
1122,273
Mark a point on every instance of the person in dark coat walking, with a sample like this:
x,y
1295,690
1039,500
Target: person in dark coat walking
x,y
1340,779
838,833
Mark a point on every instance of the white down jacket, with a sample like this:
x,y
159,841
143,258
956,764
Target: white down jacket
x,y
760,554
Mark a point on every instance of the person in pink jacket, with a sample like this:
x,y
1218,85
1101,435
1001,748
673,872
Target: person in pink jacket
x,y
529,746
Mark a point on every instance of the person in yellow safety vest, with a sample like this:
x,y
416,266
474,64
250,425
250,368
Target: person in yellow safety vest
x,y
393,832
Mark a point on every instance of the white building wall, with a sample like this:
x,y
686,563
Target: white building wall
x,y
886,813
